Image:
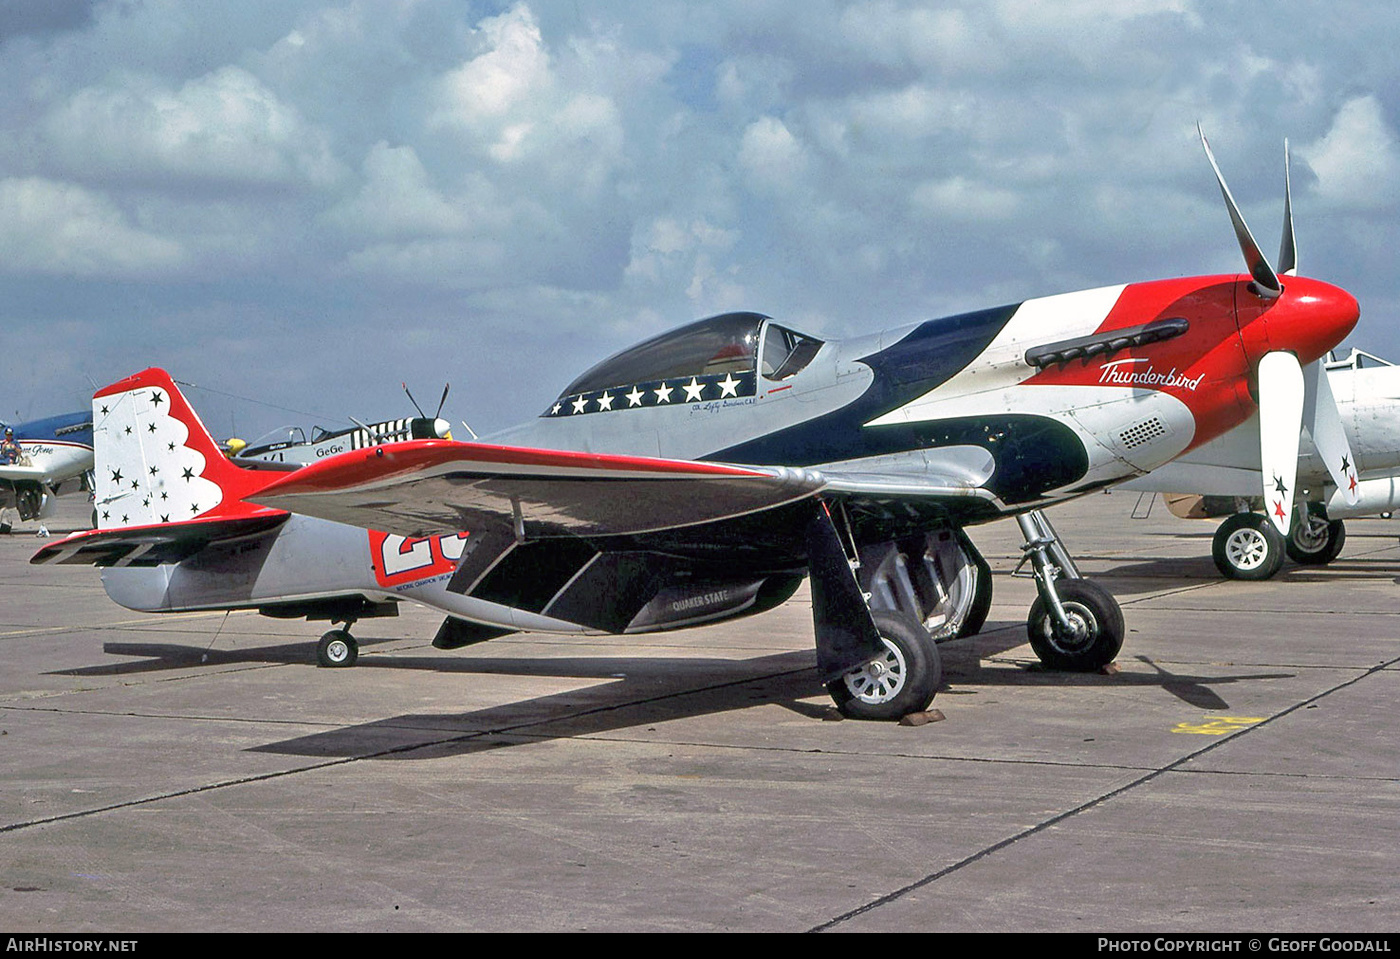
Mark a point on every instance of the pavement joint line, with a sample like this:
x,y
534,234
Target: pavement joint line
x,y
1091,803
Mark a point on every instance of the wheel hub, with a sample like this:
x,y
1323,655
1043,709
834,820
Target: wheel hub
x,y
1246,548
879,680
1080,632
1311,535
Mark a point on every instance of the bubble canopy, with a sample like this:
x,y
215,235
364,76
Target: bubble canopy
x,y
728,343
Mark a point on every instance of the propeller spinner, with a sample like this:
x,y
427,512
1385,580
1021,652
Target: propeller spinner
x,y
1297,322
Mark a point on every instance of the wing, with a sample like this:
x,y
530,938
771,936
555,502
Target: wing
x,y
942,473
21,474
427,487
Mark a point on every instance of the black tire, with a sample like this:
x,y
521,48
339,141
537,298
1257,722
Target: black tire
x,y
903,682
1098,633
337,650
1248,546
1317,541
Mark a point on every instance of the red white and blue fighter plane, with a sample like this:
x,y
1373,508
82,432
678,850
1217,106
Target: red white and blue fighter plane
x,y
704,473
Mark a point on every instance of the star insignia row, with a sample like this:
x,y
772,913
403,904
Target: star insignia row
x,y
671,392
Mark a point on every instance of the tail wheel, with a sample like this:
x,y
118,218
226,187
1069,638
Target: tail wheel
x,y
1247,546
1092,636
900,682
1315,541
337,649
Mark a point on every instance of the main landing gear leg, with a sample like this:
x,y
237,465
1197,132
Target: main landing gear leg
x,y
876,664
1074,624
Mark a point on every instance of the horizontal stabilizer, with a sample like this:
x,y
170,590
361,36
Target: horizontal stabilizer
x,y
152,545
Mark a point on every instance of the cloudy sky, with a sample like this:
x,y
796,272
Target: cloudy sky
x,y
298,204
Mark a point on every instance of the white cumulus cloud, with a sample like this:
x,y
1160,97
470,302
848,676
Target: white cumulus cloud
x,y
54,228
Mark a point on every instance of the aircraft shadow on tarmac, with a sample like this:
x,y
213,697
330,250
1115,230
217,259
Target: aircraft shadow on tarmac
x,y
631,692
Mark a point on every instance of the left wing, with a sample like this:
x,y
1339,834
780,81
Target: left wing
x,y
21,474
427,487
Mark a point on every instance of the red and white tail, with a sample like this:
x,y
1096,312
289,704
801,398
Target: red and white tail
x,y
155,463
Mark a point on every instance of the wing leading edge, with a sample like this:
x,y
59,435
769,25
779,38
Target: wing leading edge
x,y
429,487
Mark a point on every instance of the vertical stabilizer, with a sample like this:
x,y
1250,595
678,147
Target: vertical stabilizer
x,y
155,462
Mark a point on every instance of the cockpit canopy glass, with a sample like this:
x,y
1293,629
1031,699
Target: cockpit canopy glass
x,y
718,345
713,359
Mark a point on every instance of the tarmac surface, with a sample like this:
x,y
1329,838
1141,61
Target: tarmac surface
x,y
198,772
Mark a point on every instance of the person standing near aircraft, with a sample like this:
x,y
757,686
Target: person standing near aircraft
x,y
9,449
9,455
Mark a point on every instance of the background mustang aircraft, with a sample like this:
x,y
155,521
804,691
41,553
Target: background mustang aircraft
x,y
703,473
57,457
1224,476
290,445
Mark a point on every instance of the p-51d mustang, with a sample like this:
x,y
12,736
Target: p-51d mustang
x,y
55,456
702,474
297,450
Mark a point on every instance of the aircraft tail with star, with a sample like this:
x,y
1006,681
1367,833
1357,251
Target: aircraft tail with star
x,y
158,471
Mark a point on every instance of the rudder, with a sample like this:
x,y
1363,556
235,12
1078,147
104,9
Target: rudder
x,y
154,460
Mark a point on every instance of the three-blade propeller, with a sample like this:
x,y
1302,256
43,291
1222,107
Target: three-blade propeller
x,y
1290,398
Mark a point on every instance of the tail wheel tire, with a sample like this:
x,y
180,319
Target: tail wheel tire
x,y
1094,633
1315,541
900,682
1248,546
337,649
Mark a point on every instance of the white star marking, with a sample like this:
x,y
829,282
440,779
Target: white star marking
x,y
728,386
634,398
555,409
693,390
663,393
579,404
605,401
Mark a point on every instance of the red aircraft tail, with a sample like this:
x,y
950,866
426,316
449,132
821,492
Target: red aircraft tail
x,y
155,463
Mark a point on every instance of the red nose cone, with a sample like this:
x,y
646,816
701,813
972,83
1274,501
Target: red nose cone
x,y
1308,319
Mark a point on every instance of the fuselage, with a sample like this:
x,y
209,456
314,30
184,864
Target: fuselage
x,y
1068,393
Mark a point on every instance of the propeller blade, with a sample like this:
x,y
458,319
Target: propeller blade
x,y
442,402
1266,281
421,414
1324,425
1280,421
1288,246
374,435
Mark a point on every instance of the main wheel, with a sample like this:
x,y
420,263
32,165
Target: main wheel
x,y
902,681
1248,546
1316,541
1095,632
337,648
